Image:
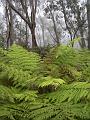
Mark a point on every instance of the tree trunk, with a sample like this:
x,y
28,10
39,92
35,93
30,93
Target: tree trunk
x,y
10,30
26,36
11,27
83,44
55,28
34,43
30,21
26,24
33,26
88,17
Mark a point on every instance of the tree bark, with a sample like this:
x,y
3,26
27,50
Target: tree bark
x,y
26,24
88,17
34,43
10,30
55,28
83,44
30,22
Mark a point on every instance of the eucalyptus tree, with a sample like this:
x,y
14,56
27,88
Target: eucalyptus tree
x,y
8,24
51,14
29,8
78,13
10,27
74,16
88,17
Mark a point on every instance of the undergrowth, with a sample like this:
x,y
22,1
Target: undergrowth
x,y
56,87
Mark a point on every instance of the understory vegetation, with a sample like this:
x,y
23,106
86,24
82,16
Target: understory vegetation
x,y
56,87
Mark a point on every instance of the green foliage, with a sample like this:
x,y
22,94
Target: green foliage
x,y
12,76
51,81
1,41
55,88
19,66
84,65
68,64
73,93
26,96
37,111
64,55
76,40
21,59
6,94
48,84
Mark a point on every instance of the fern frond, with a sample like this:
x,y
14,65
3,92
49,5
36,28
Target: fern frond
x,y
41,111
6,94
25,96
51,81
75,92
27,61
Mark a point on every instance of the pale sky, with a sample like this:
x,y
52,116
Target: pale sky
x,y
1,10
1,7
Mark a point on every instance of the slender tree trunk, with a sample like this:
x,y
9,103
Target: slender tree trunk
x,y
26,24
80,25
33,26
88,17
20,37
11,27
83,44
55,28
26,35
34,43
10,30
43,36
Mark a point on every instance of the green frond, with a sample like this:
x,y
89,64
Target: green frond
x,y
6,94
27,61
17,78
74,93
40,111
25,96
67,63
49,81
61,76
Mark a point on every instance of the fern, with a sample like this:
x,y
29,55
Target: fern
x,y
27,61
18,78
74,93
41,111
30,96
67,63
51,81
23,77
5,114
6,95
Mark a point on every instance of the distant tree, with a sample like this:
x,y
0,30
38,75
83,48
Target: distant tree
x,y
2,31
74,16
88,17
10,27
49,9
29,19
